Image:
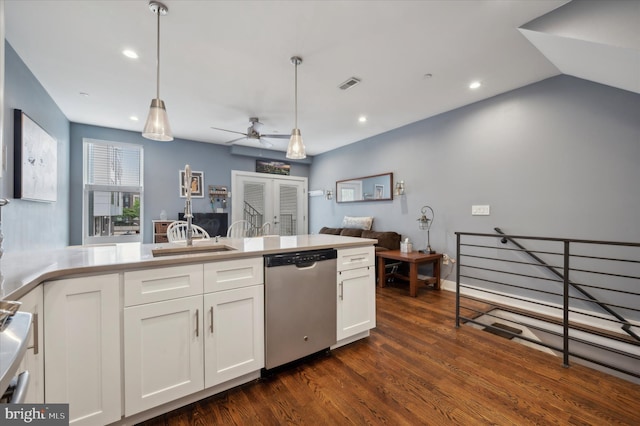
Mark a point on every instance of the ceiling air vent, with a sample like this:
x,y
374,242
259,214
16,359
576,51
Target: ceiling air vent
x,y
349,83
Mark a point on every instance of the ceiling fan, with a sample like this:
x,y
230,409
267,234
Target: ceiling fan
x,y
253,132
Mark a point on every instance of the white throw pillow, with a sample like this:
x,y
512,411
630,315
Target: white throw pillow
x,y
361,222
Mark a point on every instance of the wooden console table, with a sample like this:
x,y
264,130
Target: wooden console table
x,y
414,259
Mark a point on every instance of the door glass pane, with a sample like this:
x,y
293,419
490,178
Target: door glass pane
x,y
288,210
254,204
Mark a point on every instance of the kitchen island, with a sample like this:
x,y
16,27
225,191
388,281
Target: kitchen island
x,y
134,330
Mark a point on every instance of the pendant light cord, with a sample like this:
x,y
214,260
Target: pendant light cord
x,y
158,57
296,94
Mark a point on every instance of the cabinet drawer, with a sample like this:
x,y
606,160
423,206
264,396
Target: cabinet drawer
x,y
161,227
230,274
161,239
356,257
155,285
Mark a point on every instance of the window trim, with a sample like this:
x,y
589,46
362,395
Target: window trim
x,y
86,188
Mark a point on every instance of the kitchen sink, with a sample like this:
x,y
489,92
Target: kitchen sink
x,y
194,249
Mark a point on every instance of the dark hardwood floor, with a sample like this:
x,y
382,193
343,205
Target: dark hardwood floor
x,y
416,368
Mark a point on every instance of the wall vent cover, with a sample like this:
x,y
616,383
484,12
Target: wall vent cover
x,y
349,83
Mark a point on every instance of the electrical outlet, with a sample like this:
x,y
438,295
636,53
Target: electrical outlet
x,y
480,210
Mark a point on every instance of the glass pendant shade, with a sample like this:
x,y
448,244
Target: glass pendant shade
x,y
295,150
157,127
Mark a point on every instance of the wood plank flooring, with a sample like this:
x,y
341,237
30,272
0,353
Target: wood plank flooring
x,y
416,368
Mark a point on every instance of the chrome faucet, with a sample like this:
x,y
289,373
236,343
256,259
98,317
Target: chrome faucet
x,y
188,215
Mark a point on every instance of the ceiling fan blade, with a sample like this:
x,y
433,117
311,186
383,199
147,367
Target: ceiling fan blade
x,y
276,136
266,144
230,131
234,140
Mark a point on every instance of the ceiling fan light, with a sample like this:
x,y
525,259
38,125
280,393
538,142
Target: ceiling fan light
x,y
157,127
295,150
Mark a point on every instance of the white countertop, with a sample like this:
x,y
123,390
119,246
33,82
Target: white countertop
x,y
21,272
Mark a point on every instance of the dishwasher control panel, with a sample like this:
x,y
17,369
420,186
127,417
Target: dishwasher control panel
x,y
298,258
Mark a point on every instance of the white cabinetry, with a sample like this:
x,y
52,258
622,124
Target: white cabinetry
x,y
163,352
178,341
234,324
82,340
162,336
33,360
356,293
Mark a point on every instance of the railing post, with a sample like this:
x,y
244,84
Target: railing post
x,y
457,280
565,321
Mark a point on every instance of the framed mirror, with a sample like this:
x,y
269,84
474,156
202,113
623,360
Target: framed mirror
x,y
367,188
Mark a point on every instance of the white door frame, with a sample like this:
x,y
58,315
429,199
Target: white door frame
x,y
236,201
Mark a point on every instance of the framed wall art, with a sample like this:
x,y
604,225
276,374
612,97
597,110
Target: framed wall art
x,y
197,183
35,161
273,167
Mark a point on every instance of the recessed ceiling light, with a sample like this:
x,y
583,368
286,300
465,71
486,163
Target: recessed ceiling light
x,y
133,118
427,75
84,94
475,85
362,119
130,54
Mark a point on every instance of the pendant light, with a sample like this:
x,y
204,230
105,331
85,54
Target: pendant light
x,y
295,150
157,126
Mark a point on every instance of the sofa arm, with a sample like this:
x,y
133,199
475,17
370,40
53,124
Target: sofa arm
x,y
389,240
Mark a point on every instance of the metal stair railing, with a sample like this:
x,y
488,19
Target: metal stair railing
x,y
626,325
252,215
496,282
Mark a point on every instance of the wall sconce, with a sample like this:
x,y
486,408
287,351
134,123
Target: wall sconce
x,y
424,223
399,188
328,194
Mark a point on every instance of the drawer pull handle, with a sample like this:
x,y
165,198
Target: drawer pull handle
x,y
354,259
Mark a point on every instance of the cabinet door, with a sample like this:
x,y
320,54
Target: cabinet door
x,y
82,337
162,352
34,357
356,301
234,343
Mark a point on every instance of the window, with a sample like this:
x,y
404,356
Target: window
x,y
113,189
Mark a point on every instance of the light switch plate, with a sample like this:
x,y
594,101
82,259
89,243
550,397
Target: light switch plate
x,y
480,210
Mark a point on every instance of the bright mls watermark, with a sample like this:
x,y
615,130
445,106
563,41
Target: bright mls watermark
x,y
34,414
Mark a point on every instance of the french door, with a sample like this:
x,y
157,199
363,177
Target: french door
x,y
280,201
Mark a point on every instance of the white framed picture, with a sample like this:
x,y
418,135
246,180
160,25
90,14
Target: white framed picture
x,y
196,184
36,161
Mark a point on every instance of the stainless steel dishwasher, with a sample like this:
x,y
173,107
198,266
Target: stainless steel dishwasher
x,y
300,305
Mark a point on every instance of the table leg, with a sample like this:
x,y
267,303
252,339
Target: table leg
x,y
413,279
382,278
436,274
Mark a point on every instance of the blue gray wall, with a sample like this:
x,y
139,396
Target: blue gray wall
x,y
557,158
162,163
30,225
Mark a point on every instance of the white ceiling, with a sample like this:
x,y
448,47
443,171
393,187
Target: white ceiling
x,y
225,61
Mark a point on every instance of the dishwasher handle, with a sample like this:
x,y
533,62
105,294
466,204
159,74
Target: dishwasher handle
x,y
302,259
